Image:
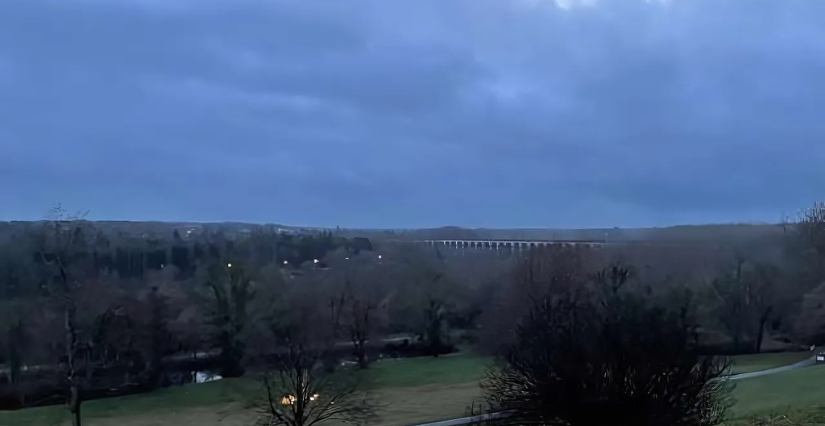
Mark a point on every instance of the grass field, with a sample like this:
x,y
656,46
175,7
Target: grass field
x,y
413,390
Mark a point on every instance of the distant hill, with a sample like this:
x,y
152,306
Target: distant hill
x,y
722,232
672,233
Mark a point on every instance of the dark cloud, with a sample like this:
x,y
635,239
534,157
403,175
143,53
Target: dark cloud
x,y
412,113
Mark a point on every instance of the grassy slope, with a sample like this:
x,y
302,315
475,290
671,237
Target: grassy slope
x,y
415,390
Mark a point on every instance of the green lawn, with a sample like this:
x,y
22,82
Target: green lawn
x,y
215,394
417,389
226,395
789,393
427,371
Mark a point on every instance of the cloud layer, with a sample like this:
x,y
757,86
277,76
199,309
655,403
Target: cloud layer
x,y
412,113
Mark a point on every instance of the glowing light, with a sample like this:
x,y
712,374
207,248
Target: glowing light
x,y
314,260
286,262
289,399
228,265
379,256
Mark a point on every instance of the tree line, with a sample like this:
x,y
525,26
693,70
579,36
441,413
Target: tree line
x,y
83,317
624,328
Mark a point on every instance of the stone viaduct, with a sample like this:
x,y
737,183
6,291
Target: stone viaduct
x,y
511,245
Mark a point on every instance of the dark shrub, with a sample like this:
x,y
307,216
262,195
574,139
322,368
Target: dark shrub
x,y
606,356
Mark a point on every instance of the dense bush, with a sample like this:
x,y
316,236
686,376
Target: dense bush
x,y
598,355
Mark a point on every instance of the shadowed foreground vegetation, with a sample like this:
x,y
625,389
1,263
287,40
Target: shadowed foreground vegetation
x,y
416,389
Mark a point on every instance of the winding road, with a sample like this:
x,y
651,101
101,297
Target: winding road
x,y
475,419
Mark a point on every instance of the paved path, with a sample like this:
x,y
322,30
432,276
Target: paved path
x,y
461,420
806,363
474,419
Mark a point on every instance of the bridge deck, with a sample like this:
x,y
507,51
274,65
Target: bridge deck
x,y
518,241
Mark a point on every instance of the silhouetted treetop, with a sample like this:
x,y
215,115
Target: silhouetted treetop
x,y
600,355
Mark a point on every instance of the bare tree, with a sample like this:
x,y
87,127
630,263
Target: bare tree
x,y
62,288
154,338
300,392
358,295
228,292
296,348
426,295
70,283
747,296
811,227
809,326
435,312
359,312
807,244
188,327
14,342
17,329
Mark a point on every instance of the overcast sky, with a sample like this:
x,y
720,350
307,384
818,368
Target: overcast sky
x,y
413,113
